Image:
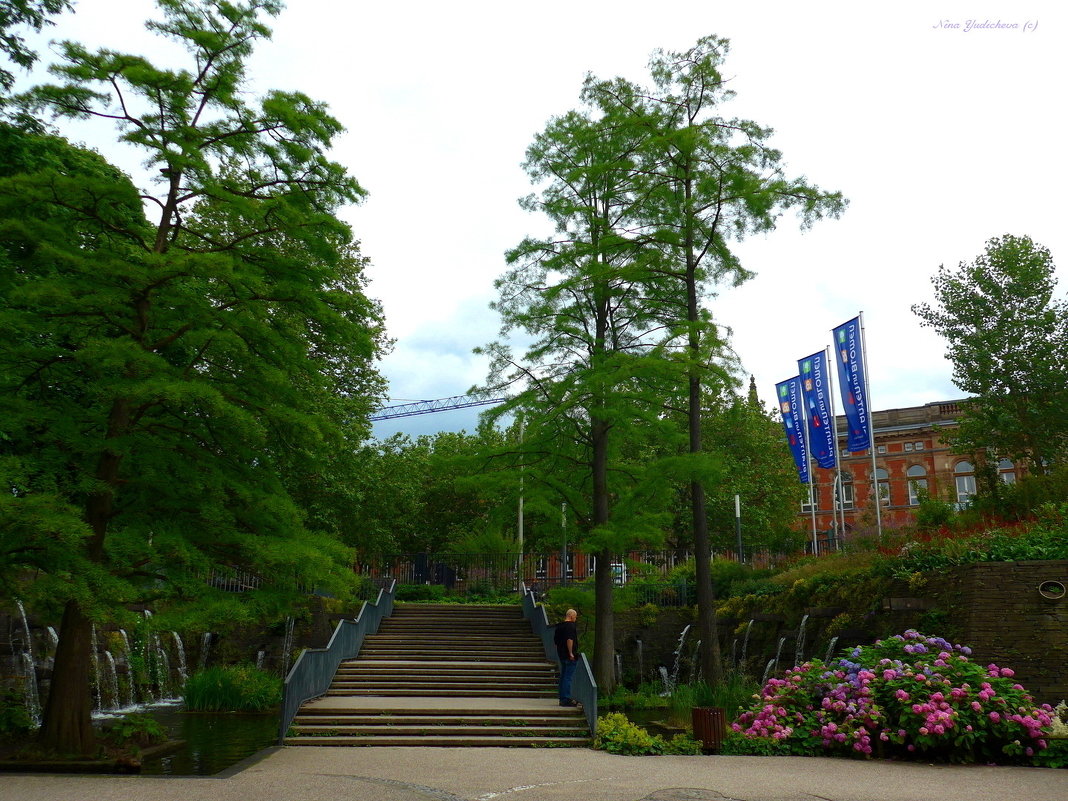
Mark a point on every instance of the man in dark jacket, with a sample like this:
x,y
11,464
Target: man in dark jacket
x,y
566,639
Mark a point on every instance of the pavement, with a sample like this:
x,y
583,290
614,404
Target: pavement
x,y
531,774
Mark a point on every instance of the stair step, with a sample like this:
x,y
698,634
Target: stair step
x,y
431,721
434,712
435,731
450,741
472,692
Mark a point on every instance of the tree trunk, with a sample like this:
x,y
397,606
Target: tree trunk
x,y
710,662
67,726
604,669
604,647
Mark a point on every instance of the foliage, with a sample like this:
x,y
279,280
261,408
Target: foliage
x,y
617,735
1043,539
14,717
32,13
235,688
1007,333
648,695
135,729
188,366
420,592
909,694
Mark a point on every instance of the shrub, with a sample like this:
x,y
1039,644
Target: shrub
x,y
135,729
14,718
617,735
419,592
907,694
236,688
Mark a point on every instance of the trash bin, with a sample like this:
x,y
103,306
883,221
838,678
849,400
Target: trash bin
x,y
709,727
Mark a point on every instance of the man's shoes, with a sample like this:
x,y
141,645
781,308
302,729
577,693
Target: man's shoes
x,y
569,702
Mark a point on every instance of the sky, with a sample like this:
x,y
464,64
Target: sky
x,y
941,129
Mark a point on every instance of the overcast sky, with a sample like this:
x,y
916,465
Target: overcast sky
x,y
940,136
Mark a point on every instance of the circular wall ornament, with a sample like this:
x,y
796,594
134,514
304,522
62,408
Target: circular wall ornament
x,y
1053,590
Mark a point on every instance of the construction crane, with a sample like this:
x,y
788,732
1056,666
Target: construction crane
x,y
437,405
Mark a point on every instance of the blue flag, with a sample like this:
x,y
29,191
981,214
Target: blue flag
x,y
851,381
793,421
815,387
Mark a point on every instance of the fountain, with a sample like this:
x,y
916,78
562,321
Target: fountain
x,y
830,648
54,638
694,659
767,672
33,699
95,650
27,645
287,646
131,690
641,661
259,659
678,656
745,642
799,647
112,676
666,678
205,646
619,667
778,653
179,649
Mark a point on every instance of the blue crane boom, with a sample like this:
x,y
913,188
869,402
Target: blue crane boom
x,y
436,405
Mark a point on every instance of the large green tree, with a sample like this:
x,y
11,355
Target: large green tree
x,y
705,181
16,14
181,361
588,376
1007,332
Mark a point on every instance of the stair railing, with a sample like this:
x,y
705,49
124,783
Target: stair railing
x,y
315,668
583,685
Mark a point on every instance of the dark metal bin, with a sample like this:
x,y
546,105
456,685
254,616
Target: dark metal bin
x,y
709,727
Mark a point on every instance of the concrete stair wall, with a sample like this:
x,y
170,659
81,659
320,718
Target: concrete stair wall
x,y
444,675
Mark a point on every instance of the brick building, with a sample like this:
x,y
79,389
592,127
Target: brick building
x,y
910,454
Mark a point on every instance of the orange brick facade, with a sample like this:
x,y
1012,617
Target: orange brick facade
x,y
910,454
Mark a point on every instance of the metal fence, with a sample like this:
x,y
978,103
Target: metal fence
x,y
648,572
584,686
315,668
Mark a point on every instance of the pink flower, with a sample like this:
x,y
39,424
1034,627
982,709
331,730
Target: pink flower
x,y
994,716
1008,672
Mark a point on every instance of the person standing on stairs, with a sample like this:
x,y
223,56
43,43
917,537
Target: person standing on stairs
x,y
566,639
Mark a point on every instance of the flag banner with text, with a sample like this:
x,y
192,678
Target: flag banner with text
x,y
815,387
793,421
851,383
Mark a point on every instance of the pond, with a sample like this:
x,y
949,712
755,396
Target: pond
x,y
213,742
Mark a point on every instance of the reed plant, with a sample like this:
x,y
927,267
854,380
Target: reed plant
x,y
233,688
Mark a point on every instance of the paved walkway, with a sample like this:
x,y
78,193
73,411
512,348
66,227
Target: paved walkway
x,y
525,774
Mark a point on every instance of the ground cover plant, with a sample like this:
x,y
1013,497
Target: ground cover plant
x,y
617,735
910,694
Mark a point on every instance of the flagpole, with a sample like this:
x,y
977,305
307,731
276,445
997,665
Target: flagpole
x,y
871,430
812,498
839,503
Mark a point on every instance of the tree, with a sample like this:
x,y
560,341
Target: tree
x,y
587,377
704,180
13,13
178,380
1007,333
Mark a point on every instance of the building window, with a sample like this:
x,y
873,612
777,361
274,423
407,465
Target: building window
x,y
964,475
845,496
917,476
919,446
908,447
1006,471
883,478
813,494
880,449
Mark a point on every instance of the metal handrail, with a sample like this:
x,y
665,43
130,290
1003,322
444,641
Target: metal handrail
x,y
584,686
315,668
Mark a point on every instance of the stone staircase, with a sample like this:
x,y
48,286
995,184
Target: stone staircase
x,y
444,675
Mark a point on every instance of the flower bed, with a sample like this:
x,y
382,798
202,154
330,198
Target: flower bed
x,y
909,694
